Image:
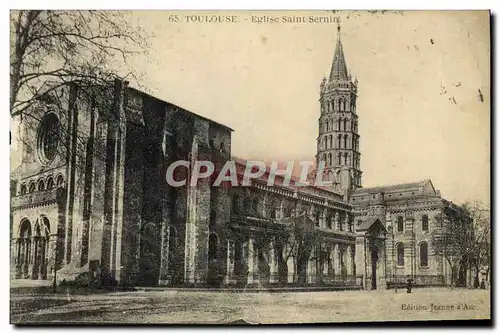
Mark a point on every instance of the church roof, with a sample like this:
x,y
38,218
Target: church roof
x,y
396,187
369,222
339,65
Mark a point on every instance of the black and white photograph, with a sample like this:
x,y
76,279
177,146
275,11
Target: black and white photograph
x,y
249,167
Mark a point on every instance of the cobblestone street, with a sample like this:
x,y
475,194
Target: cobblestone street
x,y
205,307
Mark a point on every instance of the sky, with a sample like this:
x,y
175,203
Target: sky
x,y
419,73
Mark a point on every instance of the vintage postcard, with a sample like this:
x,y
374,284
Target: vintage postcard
x,y
261,167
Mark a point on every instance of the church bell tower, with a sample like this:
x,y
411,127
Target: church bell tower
x,y
338,140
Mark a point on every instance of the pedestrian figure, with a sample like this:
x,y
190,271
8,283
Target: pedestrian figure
x,y
483,285
408,286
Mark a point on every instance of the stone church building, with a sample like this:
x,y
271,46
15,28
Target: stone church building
x,y
90,202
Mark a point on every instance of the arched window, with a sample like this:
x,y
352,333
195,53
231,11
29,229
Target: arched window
x,y
221,148
341,104
50,183
400,224
331,141
424,251
149,238
213,243
325,143
32,187
345,141
345,124
330,162
213,218
400,251
272,210
41,185
339,141
255,205
425,223
23,189
347,159
59,181
235,204
325,159
48,137
338,124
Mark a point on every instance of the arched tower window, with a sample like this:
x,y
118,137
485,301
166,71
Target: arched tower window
x,y
339,141
23,189
345,158
424,252
345,124
32,187
325,159
400,224
329,159
345,141
400,254
341,104
425,223
331,141
325,146
340,159
339,121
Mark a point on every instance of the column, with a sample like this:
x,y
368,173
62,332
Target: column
x,y
273,263
336,256
15,258
349,260
164,278
229,278
290,261
311,267
23,257
32,257
41,257
360,259
331,262
251,261
51,255
381,279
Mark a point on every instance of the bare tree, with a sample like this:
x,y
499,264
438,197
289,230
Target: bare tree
x,y
452,240
82,47
480,248
464,240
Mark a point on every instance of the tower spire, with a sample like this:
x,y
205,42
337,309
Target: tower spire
x,y
339,66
